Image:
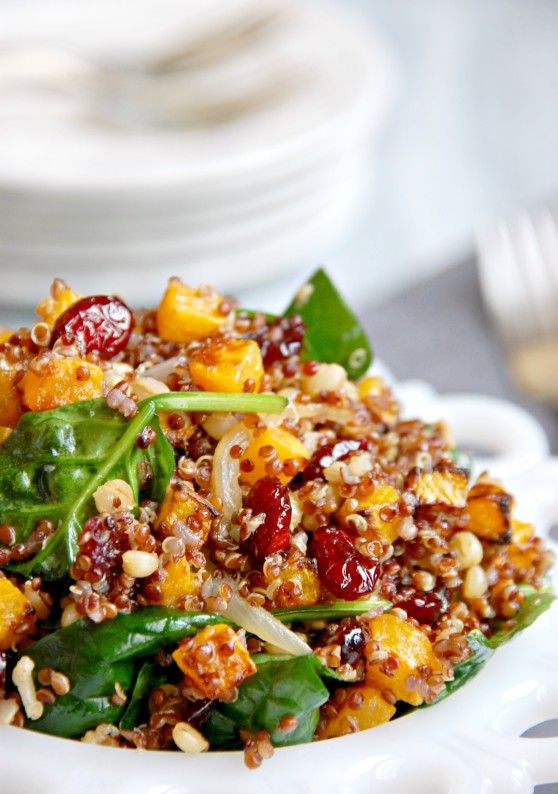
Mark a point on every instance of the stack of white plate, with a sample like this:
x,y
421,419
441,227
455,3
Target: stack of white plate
x,y
222,142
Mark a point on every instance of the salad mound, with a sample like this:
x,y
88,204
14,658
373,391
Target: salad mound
x,y
218,532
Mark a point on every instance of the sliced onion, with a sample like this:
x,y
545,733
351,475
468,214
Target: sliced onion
x,y
162,370
226,470
263,624
219,423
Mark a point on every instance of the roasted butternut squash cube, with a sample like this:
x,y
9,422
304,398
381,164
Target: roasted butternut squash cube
x,y
364,707
50,309
489,508
178,581
411,648
13,608
227,365
521,531
286,446
5,334
10,398
214,662
379,399
180,505
382,500
186,314
60,382
297,585
445,485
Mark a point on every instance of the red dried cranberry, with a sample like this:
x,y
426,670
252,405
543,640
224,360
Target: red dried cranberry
x,y
270,497
424,607
352,639
103,540
98,323
327,454
346,572
282,339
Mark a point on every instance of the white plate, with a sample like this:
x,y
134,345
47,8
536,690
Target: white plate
x,y
468,744
344,85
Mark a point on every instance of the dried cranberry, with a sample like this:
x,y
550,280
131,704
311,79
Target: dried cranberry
x,y
282,339
98,323
270,497
424,607
103,541
352,639
327,454
346,572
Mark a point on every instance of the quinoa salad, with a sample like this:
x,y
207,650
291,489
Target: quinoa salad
x,y
217,532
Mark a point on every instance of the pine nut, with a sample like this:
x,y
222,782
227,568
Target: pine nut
x,y
475,583
188,739
467,549
139,564
114,496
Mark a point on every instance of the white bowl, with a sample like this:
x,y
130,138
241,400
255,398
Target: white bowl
x,y
466,744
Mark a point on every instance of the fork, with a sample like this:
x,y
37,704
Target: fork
x,y
518,269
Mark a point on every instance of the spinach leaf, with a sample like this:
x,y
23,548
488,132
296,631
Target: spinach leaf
x,y
467,669
282,687
150,675
333,333
536,602
96,656
337,609
52,463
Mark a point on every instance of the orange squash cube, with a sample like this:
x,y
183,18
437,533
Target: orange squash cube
x,y
214,662
13,608
226,365
10,398
412,649
445,485
178,581
371,506
379,399
364,707
63,381
298,585
521,531
50,309
489,508
180,505
286,445
186,314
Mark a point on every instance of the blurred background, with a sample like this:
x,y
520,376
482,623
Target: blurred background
x,y
245,142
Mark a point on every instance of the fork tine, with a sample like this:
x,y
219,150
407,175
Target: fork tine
x,y
537,280
548,239
500,281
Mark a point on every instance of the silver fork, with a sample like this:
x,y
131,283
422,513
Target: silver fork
x,y
518,269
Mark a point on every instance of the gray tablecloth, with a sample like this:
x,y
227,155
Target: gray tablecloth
x,y
438,331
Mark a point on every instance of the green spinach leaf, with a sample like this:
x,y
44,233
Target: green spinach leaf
x,y
337,609
282,687
97,656
52,463
536,602
150,675
333,333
